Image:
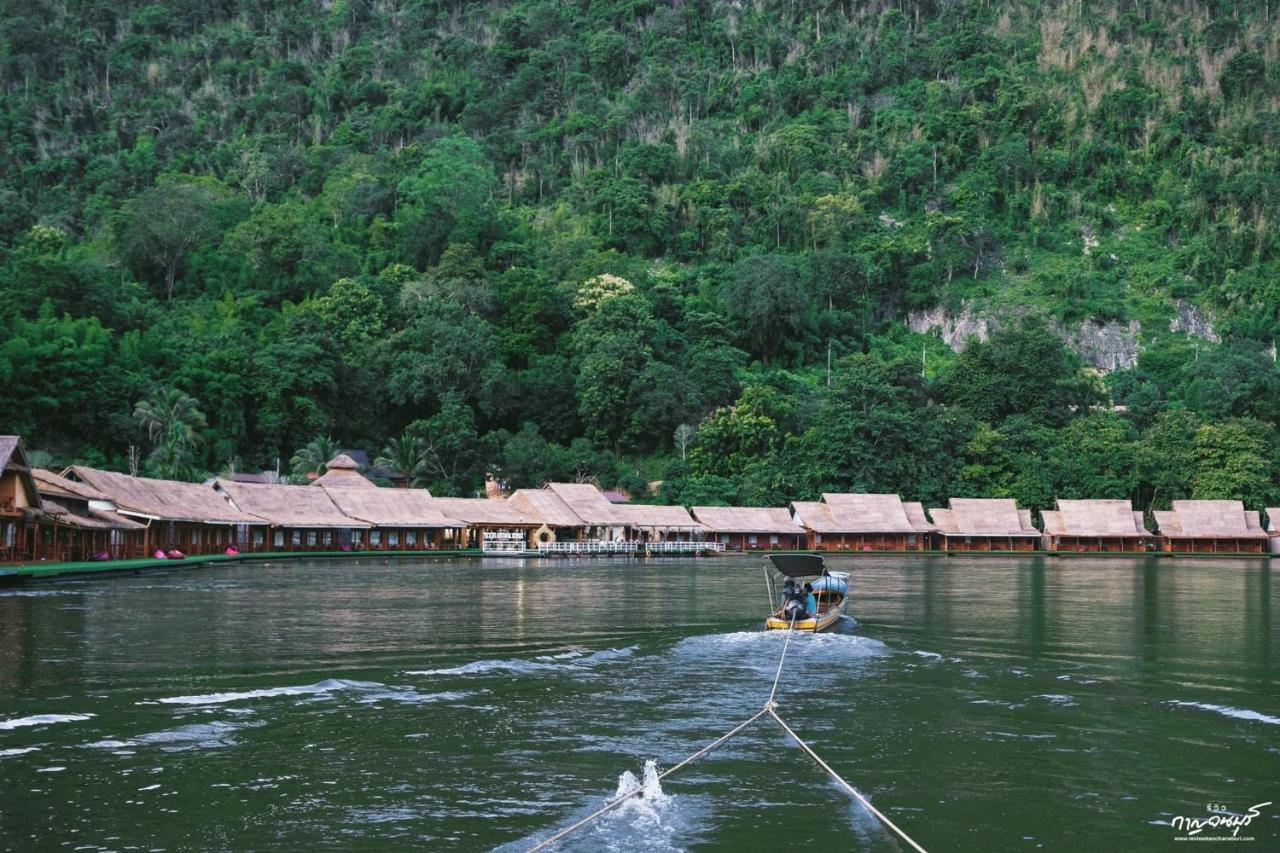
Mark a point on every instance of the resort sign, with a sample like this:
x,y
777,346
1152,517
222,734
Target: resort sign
x,y
1219,819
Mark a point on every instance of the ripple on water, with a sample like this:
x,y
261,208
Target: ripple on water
x,y
1227,711
561,662
42,720
329,685
212,735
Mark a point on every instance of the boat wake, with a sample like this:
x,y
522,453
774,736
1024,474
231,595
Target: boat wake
x,y
564,661
1226,711
368,692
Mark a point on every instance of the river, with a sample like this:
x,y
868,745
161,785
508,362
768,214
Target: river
x,y
983,703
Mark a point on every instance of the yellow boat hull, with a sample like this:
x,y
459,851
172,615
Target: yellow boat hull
x,y
823,621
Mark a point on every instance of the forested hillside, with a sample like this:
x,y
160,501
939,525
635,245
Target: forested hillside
x,y
640,240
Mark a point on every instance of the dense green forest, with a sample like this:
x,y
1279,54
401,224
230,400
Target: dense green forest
x,y
644,241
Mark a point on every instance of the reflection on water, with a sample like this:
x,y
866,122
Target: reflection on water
x,y
984,703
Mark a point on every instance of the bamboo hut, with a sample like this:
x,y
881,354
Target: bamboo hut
x,y
492,524
19,503
1094,525
1273,534
190,517
750,528
863,522
600,517
985,524
302,518
80,523
1210,527
402,519
559,521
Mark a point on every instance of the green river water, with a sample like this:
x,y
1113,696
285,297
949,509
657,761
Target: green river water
x,y
984,704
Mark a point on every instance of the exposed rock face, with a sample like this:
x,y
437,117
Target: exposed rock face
x,y
1192,321
956,329
1105,346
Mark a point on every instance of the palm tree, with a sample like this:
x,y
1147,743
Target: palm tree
x,y
404,456
172,421
313,458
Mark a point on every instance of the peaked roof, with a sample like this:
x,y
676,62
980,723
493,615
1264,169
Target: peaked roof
x,y
746,519
391,507
164,500
56,485
873,513
12,457
983,517
486,511
546,505
652,515
815,516
8,445
1209,520
587,502
1094,518
343,472
287,506
1273,518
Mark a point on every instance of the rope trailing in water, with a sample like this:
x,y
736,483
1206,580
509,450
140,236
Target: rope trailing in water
x,y
612,804
770,708
790,630
852,790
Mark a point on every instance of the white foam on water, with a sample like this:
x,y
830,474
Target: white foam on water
x,y
42,720
5,753
50,769
1227,711
1055,698
567,661
768,644
649,818
329,685
928,655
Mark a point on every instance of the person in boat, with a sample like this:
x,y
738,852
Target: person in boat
x,y
810,600
794,608
788,590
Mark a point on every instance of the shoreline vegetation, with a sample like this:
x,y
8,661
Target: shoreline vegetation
x,y
747,254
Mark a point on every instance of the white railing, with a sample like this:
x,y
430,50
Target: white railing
x,y
624,547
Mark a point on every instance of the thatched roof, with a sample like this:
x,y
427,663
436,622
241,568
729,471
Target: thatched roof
x,y
287,506
14,459
1208,520
163,500
343,472
651,516
983,517
88,519
587,502
55,485
9,444
915,515
546,505
391,507
1273,518
746,519
1098,518
862,513
486,511
815,516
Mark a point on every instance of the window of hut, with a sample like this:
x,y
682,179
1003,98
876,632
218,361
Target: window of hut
x,y
327,539
296,538
393,539
311,539
411,538
258,537
375,537
279,539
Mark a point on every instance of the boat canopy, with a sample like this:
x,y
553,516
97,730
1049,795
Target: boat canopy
x,y
799,565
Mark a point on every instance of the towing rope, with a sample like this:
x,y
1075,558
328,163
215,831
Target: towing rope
x,y
770,708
